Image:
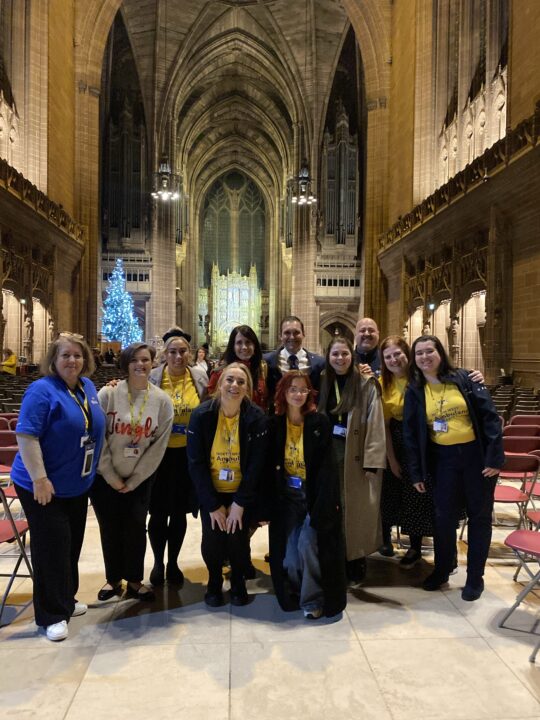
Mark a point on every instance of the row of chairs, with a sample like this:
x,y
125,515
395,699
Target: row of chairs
x,y
13,528
523,435
510,401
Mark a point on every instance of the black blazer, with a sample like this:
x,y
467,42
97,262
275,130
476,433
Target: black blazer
x,y
323,505
316,366
253,453
484,417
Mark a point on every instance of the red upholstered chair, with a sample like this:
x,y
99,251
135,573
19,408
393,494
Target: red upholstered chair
x,y
13,422
517,468
14,532
521,430
4,423
524,469
520,444
7,455
9,439
529,419
526,546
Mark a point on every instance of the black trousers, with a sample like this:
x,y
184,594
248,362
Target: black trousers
x,y
171,499
459,483
122,526
56,538
217,546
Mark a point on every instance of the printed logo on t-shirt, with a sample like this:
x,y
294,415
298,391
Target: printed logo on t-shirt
x,y
119,427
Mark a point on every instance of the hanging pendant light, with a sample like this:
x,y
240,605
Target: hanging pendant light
x,y
166,184
302,191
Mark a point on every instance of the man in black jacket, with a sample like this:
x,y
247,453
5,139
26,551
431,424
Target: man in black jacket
x,y
291,355
366,349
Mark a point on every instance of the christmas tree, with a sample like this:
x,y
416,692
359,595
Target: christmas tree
x,y
119,322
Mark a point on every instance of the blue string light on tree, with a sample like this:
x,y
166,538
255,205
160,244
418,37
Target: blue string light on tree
x,y
119,323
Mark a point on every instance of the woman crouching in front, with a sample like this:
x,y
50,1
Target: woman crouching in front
x,y
227,453
307,557
451,429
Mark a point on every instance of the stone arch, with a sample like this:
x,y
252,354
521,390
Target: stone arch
x,y
332,319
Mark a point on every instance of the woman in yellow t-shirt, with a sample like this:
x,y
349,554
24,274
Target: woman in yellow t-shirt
x,y
173,495
401,504
451,430
9,363
306,539
227,458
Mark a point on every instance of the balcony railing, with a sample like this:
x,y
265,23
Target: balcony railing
x,y
517,140
16,184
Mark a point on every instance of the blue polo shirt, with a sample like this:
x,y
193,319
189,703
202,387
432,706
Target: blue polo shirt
x,y
50,413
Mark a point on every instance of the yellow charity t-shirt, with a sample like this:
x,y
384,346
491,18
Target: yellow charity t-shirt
x,y
294,451
446,404
184,397
392,397
225,455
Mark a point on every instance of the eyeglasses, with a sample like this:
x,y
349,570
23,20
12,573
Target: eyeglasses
x,y
297,391
75,336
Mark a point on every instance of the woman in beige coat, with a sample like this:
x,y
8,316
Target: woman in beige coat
x,y
352,402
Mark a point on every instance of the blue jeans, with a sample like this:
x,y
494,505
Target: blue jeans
x,y
301,556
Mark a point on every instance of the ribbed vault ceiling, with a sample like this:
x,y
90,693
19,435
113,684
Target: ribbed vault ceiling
x,y
235,84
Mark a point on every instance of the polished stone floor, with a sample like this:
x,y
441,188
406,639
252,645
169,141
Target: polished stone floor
x,y
397,653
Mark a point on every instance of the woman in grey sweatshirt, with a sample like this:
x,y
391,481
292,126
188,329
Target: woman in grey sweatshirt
x,y
139,419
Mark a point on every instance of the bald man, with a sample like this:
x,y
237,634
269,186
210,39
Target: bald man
x,y
367,346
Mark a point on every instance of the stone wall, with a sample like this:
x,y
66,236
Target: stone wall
x,y
524,59
61,111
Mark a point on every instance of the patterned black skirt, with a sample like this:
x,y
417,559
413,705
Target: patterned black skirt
x,y
401,504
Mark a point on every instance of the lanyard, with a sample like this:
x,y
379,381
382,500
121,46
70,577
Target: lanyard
x,y
134,423
441,401
85,409
294,448
232,435
176,396
338,399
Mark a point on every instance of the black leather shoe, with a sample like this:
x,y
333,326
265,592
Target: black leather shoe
x,y
434,581
356,570
470,593
214,599
239,597
387,549
174,575
142,593
157,576
108,593
239,594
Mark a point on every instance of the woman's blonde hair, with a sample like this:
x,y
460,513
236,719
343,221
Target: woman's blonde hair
x,y
249,380
47,365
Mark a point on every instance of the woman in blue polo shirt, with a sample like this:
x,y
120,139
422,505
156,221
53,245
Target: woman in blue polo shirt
x,y
60,434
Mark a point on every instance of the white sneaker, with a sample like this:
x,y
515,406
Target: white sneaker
x,y
80,609
58,631
313,614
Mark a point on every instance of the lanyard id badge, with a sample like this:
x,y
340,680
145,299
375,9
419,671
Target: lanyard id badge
x,y
294,481
226,475
132,451
88,460
440,425
179,429
339,431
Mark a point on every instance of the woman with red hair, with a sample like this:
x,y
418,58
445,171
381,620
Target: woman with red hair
x,y
307,559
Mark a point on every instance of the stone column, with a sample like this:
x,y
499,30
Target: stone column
x,y
498,351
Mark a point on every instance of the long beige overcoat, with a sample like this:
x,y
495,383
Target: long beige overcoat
x,y
365,447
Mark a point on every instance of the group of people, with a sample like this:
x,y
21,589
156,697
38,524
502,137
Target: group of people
x,y
323,449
